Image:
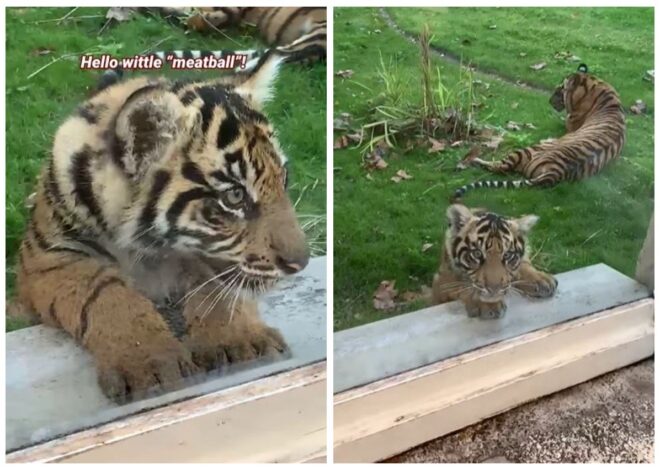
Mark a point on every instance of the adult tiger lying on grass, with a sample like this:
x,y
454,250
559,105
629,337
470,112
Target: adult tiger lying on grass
x,y
596,129
298,32
162,213
485,257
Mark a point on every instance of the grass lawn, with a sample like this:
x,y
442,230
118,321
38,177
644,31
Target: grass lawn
x,y
36,106
381,226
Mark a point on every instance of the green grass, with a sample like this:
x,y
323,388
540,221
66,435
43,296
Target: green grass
x,y
380,226
36,106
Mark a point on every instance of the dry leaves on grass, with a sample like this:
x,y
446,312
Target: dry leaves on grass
x,y
374,160
513,126
342,122
348,73
348,139
437,145
39,51
566,55
400,176
638,108
120,14
426,247
384,296
494,142
539,66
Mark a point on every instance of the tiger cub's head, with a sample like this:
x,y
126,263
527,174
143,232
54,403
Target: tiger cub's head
x,y
211,177
486,248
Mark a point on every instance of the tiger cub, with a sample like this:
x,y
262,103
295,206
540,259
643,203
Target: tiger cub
x,y
484,258
596,130
300,33
161,215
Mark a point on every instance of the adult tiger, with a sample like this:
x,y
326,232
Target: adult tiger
x,y
596,129
484,257
300,32
162,212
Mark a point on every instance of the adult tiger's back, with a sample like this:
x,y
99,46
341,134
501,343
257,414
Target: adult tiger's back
x,y
595,125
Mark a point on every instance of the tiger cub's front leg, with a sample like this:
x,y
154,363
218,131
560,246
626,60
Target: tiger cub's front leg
x,y
132,345
448,286
534,283
217,338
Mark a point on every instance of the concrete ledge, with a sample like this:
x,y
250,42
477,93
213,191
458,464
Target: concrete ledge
x,y
51,387
388,347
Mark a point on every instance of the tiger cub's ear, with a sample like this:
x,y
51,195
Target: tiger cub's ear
x,y
148,128
525,223
457,216
257,83
583,68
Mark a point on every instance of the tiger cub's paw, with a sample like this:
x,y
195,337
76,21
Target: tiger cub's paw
x,y
543,287
258,341
138,371
487,311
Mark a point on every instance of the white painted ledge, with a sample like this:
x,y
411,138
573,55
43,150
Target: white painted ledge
x,y
51,387
388,347
409,379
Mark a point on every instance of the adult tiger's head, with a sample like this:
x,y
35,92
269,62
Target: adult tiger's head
x,y
572,89
486,248
210,176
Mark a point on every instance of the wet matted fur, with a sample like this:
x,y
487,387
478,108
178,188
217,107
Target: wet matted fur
x,y
484,257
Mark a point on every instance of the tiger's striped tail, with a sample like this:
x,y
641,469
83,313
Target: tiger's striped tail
x,y
460,192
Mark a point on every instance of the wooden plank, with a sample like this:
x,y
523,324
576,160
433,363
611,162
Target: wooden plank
x,y
389,347
275,419
387,417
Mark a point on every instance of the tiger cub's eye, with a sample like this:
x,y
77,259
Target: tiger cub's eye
x,y
510,256
234,196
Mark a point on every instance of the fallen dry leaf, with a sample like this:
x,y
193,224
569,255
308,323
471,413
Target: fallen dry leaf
x,y
639,107
492,26
374,160
120,14
515,105
426,247
547,141
513,126
401,175
437,145
539,66
529,125
342,122
523,54
369,177
348,139
39,51
457,143
348,73
494,142
384,296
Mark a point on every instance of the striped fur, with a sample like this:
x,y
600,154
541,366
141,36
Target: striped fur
x,y
297,33
156,188
595,125
485,257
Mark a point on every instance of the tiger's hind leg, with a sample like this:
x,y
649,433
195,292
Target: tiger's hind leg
x,y
515,162
218,338
134,350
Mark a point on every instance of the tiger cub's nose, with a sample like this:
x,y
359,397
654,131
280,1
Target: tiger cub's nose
x,y
292,265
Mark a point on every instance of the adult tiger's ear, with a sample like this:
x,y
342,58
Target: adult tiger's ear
x,y
457,216
256,84
583,68
149,125
525,223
